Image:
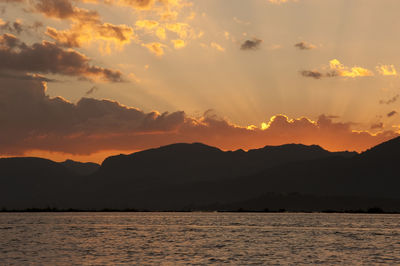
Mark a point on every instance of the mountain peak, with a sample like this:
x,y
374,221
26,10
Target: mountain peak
x,y
387,149
189,147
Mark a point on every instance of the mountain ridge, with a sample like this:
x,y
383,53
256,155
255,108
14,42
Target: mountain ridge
x,y
178,175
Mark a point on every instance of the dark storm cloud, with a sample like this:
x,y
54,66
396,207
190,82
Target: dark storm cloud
x,y
392,113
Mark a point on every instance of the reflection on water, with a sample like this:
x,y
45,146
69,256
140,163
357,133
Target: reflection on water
x,y
198,238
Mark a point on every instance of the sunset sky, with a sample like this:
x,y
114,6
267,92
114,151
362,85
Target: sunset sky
x,y
85,79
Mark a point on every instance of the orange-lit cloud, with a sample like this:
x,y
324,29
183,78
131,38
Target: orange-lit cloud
x,y
278,2
81,34
183,30
147,24
86,26
153,27
155,47
345,71
217,47
165,9
147,4
140,4
387,70
178,44
337,69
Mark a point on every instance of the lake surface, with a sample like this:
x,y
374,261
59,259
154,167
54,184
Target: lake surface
x,y
198,238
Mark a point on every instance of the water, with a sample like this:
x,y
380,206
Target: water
x,y
198,238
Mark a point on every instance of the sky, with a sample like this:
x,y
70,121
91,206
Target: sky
x,y
86,79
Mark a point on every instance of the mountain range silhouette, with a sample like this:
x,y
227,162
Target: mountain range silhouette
x,y
199,177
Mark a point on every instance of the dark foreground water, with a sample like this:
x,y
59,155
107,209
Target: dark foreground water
x,y
198,238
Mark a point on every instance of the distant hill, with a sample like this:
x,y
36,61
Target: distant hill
x,y
34,182
81,168
184,176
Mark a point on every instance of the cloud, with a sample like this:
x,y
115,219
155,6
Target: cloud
x,y
391,100
305,46
239,21
377,126
14,27
178,44
12,1
278,2
86,26
147,4
166,10
352,72
387,70
85,33
17,27
312,74
153,27
217,47
32,121
317,74
64,9
26,76
337,69
92,90
141,4
253,44
392,113
47,57
147,24
155,48
183,30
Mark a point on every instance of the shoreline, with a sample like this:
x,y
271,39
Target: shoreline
x,y
55,210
